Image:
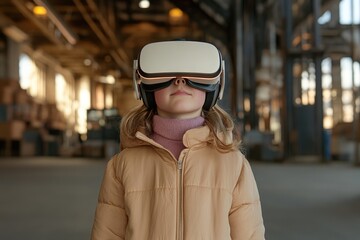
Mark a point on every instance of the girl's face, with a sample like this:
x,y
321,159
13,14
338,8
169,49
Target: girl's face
x,y
179,101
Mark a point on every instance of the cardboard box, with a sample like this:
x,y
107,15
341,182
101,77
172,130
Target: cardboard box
x,y
6,112
13,83
21,97
6,95
12,130
93,149
21,112
7,90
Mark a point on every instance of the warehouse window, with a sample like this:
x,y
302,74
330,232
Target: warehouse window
x,y
64,97
349,73
27,71
349,11
83,104
327,95
349,80
325,18
308,83
305,86
32,77
99,96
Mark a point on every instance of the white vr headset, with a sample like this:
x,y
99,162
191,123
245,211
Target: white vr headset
x,y
159,63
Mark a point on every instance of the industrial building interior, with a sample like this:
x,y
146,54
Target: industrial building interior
x,y
292,86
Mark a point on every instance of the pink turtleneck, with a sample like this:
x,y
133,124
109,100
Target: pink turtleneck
x,y
169,132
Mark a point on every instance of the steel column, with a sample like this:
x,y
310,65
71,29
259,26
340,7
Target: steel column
x,y
318,75
238,49
287,114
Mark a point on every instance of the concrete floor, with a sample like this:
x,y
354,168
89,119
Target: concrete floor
x,y
310,201
55,199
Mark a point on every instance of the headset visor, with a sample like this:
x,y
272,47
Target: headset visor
x,y
160,62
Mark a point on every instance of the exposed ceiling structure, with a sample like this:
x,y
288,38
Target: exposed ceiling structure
x,y
100,37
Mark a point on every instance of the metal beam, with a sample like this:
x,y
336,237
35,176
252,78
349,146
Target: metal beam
x,y
116,52
208,24
43,28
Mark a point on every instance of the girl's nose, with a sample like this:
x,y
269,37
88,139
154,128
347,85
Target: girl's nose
x,y
179,81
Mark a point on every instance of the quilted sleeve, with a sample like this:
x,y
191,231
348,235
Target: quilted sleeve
x,y
110,217
245,217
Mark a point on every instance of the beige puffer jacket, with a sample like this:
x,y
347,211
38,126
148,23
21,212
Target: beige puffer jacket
x,y
147,194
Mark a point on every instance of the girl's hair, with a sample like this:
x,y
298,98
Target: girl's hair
x,y
226,136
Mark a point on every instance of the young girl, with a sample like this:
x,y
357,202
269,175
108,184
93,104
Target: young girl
x,y
179,174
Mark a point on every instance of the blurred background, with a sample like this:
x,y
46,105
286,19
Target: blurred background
x,y
292,85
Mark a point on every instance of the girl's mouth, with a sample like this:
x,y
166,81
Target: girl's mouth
x,y
180,92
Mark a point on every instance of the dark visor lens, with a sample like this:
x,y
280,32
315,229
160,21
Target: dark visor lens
x,y
200,86
155,87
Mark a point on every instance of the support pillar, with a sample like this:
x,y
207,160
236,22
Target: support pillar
x,y
318,76
287,113
238,89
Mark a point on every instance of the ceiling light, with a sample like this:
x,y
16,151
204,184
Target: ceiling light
x,y
176,13
144,4
87,62
39,11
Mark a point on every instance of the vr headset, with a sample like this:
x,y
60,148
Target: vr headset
x,y
159,63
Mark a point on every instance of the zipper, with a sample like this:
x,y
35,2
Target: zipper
x,y
180,199
179,163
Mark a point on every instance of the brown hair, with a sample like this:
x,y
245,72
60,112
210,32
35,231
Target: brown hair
x,y
222,128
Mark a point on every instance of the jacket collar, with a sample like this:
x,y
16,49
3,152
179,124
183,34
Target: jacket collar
x,y
191,137
196,136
